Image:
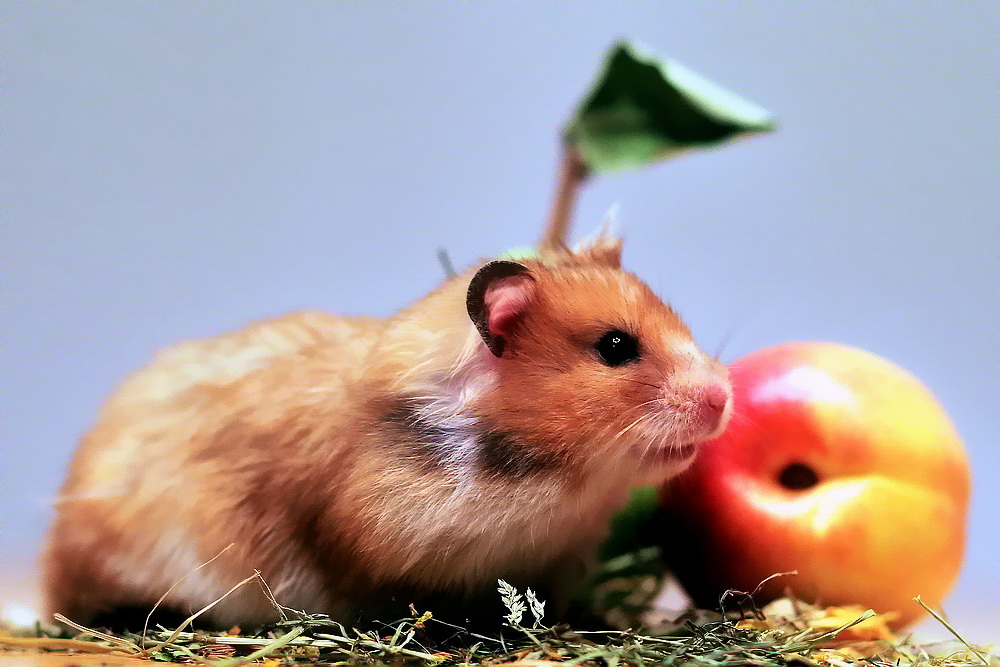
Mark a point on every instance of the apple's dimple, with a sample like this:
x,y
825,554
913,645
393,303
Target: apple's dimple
x,y
798,477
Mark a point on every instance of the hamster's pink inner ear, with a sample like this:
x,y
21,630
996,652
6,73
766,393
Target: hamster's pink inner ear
x,y
498,296
506,300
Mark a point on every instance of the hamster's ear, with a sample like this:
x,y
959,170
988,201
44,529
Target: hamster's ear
x,y
604,250
498,295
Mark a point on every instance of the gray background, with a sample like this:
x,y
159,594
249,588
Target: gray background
x,y
173,170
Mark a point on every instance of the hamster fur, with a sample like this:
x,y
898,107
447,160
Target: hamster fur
x,y
480,433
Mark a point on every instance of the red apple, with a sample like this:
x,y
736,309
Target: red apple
x,y
836,463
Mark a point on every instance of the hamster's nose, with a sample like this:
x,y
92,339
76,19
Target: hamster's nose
x,y
715,396
713,401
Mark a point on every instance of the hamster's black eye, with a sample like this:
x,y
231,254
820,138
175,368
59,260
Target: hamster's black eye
x,y
616,348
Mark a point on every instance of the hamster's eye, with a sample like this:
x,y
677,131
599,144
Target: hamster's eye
x,y
616,348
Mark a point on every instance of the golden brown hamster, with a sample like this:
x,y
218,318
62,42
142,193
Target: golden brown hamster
x,y
489,430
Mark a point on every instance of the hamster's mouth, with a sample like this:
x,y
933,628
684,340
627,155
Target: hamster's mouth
x,y
673,453
671,445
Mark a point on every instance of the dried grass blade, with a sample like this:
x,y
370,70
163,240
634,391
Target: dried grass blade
x,y
382,647
145,625
190,619
264,651
940,619
118,641
49,643
830,634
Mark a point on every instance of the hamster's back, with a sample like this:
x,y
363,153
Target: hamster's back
x,y
113,536
226,358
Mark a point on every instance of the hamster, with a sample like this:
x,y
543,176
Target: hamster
x,y
489,430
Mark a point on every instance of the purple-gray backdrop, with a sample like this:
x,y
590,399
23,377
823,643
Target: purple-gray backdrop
x,y
177,169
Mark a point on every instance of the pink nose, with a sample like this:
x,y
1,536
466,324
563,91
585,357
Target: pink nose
x,y
715,397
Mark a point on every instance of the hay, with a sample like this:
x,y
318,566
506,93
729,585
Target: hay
x,y
786,633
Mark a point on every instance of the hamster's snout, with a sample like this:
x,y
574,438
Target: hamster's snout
x,y
693,406
712,402
700,399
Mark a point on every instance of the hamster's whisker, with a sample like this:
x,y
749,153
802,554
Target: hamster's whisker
x,y
625,430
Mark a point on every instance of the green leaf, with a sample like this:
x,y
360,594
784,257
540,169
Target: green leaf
x,y
643,109
634,527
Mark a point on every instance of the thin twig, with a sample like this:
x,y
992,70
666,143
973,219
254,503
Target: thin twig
x,y
280,608
445,261
773,576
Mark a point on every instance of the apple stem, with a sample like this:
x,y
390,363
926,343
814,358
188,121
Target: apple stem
x,y
572,175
